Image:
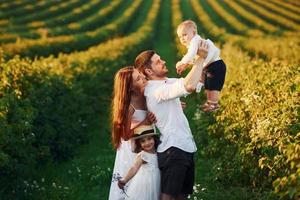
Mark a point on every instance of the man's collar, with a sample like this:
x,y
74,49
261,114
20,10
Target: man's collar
x,y
159,80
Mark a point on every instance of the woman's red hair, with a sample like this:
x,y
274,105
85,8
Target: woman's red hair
x,y
120,105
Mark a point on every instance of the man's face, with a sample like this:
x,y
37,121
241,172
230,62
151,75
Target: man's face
x,y
159,69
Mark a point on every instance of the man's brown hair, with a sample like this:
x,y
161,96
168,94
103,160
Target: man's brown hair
x,y
143,60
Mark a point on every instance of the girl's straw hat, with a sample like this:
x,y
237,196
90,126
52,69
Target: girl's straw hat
x,y
143,131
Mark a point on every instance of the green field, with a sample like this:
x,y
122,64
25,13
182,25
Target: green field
x,y
58,60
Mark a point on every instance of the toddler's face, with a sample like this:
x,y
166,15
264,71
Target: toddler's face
x,y
185,35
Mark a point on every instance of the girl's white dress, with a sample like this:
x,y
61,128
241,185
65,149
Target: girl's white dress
x,y
145,185
124,160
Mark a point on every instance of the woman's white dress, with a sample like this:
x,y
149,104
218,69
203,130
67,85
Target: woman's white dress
x,y
124,160
145,185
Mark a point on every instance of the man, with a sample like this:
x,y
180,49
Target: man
x,y
175,153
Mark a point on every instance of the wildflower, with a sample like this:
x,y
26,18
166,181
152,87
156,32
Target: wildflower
x,y
78,170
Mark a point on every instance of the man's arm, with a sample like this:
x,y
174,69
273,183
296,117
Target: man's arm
x,y
183,86
193,77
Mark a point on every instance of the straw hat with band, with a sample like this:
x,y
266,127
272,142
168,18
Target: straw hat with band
x,y
143,131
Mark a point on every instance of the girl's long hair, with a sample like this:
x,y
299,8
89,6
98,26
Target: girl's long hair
x,y
120,105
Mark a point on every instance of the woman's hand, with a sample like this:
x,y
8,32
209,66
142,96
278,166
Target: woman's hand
x,y
183,104
151,118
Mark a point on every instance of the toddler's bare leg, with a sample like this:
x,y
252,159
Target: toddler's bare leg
x,y
207,95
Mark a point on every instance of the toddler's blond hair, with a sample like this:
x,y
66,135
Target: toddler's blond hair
x,y
188,24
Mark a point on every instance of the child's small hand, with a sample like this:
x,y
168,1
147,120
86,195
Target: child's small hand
x,y
178,64
121,184
181,68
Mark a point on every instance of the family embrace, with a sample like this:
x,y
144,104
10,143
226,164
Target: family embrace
x,y
152,136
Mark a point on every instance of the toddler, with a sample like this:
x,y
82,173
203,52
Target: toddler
x,y
213,75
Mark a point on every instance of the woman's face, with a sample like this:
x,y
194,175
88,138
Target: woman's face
x,y
139,81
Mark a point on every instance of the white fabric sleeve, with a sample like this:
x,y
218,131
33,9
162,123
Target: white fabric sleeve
x,y
213,52
170,91
192,51
144,156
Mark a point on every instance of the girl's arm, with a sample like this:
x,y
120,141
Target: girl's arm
x,y
132,171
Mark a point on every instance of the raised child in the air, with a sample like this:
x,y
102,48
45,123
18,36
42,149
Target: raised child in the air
x,y
213,75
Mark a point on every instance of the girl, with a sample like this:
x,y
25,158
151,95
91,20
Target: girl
x,y
128,112
144,173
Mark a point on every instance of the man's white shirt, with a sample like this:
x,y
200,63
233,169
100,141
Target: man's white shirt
x,y
162,97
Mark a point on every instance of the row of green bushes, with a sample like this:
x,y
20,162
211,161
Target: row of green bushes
x,y
25,9
7,5
52,11
60,25
79,19
68,43
43,118
92,22
256,135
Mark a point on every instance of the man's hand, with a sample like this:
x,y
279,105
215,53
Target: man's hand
x,y
151,118
203,49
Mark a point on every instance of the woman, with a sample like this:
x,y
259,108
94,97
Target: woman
x,y
128,112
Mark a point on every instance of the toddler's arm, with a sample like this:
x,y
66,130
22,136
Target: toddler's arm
x,y
192,51
180,67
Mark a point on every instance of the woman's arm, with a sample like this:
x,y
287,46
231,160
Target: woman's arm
x,y
150,119
132,172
